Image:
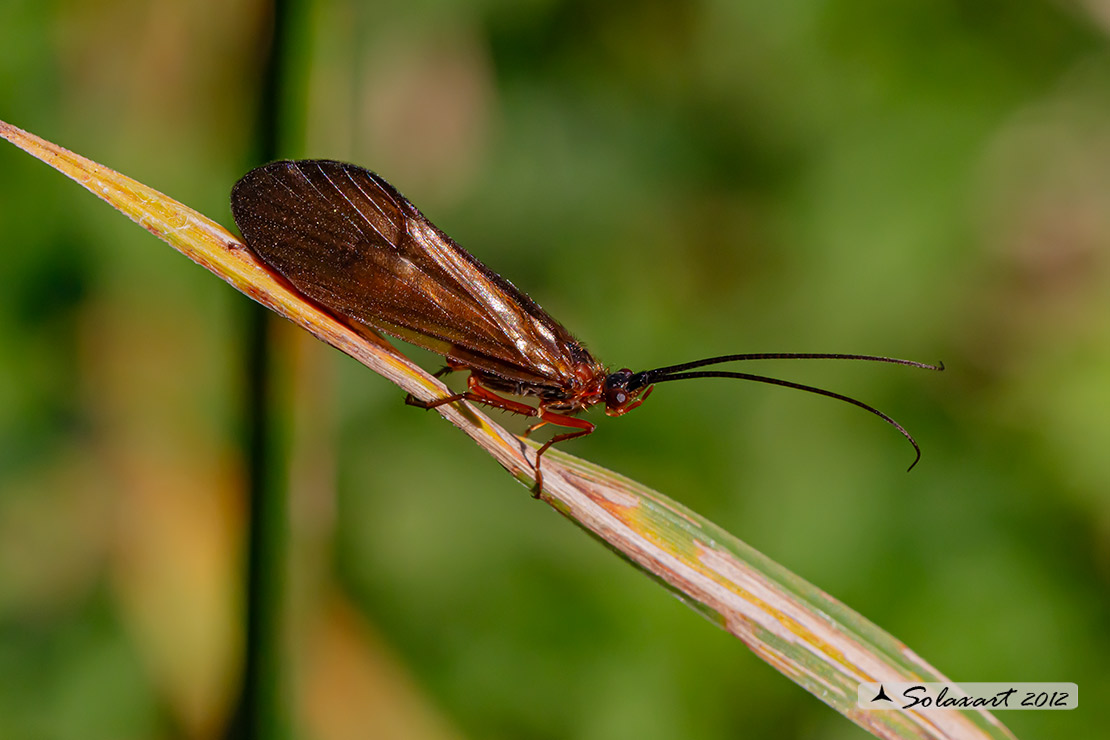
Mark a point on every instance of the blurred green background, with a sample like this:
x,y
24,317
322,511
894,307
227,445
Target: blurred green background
x,y
926,179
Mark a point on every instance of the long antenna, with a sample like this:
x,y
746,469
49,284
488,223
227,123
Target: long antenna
x,y
661,371
676,372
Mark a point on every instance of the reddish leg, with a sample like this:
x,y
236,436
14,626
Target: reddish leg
x,y
533,427
581,427
477,393
412,400
480,394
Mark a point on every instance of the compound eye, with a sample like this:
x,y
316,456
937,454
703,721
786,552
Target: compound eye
x,y
616,397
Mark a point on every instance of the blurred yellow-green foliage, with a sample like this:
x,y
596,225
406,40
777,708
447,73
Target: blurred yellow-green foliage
x,y
928,178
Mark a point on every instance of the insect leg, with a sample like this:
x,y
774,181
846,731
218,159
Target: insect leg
x,y
478,394
581,429
412,400
533,428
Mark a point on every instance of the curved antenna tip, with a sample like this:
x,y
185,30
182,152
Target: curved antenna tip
x,y
800,387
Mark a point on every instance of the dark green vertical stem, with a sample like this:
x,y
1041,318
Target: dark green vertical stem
x,y
261,711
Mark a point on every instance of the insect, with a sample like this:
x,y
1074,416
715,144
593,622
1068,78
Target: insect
x,y
346,239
